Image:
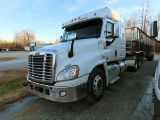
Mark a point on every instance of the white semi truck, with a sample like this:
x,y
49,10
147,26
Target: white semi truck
x,y
91,55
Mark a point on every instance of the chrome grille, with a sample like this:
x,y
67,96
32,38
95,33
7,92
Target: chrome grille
x,y
40,67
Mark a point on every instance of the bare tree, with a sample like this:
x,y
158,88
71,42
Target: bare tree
x,y
145,16
129,23
133,21
0,41
57,41
23,38
28,36
18,40
142,18
158,22
134,18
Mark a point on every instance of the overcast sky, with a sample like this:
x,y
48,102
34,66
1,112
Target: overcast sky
x,y
45,17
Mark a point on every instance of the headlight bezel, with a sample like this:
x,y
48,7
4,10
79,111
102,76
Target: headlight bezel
x,y
62,76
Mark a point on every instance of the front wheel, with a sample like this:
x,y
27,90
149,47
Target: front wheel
x,y
95,87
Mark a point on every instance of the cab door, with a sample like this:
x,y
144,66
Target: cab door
x,y
110,42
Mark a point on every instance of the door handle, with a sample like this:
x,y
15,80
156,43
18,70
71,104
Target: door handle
x,y
99,42
115,53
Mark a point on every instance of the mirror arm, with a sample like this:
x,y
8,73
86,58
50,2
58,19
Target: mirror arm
x,y
70,54
108,43
32,48
157,41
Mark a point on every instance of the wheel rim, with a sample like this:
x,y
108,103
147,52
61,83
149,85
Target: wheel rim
x,y
139,62
98,85
136,65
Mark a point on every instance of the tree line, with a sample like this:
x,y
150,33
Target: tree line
x,y
143,18
22,39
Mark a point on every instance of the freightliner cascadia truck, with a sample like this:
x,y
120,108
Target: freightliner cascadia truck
x,y
95,49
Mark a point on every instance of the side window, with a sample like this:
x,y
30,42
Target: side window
x,y
122,31
109,30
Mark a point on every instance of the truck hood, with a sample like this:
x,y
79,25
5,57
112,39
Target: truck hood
x,y
65,46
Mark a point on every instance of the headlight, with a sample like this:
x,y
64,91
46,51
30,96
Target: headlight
x,y
69,73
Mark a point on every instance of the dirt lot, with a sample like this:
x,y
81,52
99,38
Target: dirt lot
x,y
130,98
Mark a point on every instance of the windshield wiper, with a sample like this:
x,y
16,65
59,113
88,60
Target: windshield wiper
x,y
64,40
85,37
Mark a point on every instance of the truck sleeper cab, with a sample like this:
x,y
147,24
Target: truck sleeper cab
x,y
98,46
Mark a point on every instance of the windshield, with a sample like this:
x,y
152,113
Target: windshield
x,y
89,29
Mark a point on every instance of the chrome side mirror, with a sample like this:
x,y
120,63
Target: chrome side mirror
x,y
32,44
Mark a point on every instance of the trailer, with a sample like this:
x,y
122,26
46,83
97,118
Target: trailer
x,y
94,50
138,46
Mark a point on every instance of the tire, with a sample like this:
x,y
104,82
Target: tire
x,y
151,58
139,62
134,69
142,59
95,86
155,117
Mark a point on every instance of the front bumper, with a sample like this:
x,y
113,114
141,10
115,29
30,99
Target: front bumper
x,y
51,92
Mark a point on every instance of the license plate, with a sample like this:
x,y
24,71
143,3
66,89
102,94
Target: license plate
x,y
54,93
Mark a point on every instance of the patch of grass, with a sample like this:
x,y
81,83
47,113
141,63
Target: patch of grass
x,y
7,58
13,74
11,85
